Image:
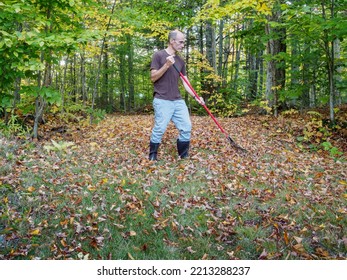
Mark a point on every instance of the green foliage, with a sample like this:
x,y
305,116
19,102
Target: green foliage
x,y
334,151
224,103
36,35
315,131
13,126
97,114
263,105
49,94
6,102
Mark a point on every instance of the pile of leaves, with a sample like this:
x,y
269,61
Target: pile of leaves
x,y
89,192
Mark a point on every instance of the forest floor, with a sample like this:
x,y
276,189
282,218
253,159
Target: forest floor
x,y
89,192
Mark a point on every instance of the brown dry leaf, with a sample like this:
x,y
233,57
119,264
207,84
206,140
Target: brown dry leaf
x,y
321,252
299,248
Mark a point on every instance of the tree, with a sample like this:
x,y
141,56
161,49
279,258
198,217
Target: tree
x,y
276,47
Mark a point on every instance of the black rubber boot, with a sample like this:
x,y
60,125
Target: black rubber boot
x,y
153,150
183,148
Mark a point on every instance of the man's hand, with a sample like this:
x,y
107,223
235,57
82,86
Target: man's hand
x,y
200,100
170,60
157,74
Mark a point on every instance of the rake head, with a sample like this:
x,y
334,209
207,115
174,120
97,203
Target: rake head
x,y
235,145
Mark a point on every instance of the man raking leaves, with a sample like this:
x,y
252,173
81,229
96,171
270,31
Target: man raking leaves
x,y
168,103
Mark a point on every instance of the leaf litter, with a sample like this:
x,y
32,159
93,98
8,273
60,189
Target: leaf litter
x,y
94,186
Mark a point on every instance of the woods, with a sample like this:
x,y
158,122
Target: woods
x,y
75,118
94,55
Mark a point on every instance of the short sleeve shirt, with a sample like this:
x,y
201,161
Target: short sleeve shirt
x,y
167,86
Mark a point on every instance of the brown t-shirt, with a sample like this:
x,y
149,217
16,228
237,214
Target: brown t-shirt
x,y
167,86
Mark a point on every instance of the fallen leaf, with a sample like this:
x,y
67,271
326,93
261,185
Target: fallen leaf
x,y
190,250
263,255
285,236
299,248
130,256
35,231
298,239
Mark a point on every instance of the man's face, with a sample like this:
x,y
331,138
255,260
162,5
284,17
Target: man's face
x,y
178,43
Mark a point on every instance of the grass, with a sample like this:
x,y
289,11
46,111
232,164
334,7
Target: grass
x,y
101,199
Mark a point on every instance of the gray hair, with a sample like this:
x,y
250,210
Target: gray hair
x,y
173,34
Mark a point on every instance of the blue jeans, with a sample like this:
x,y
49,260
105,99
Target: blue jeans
x,y
175,111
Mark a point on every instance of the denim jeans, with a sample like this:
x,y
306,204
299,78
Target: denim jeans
x,y
166,111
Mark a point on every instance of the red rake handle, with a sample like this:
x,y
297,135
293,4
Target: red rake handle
x,y
204,105
232,142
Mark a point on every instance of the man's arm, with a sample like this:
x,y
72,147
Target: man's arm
x,y
189,90
156,74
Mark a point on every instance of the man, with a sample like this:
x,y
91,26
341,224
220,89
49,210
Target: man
x,y
168,103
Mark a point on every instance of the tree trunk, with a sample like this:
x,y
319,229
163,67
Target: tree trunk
x,y
16,91
83,78
237,62
330,54
99,63
276,66
211,45
187,46
40,102
226,55
220,48
307,99
201,70
208,85
339,69
104,98
62,86
122,79
252,76
131,76
261,72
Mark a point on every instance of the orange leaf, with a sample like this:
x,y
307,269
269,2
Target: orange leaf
x,y
63,242
286,239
